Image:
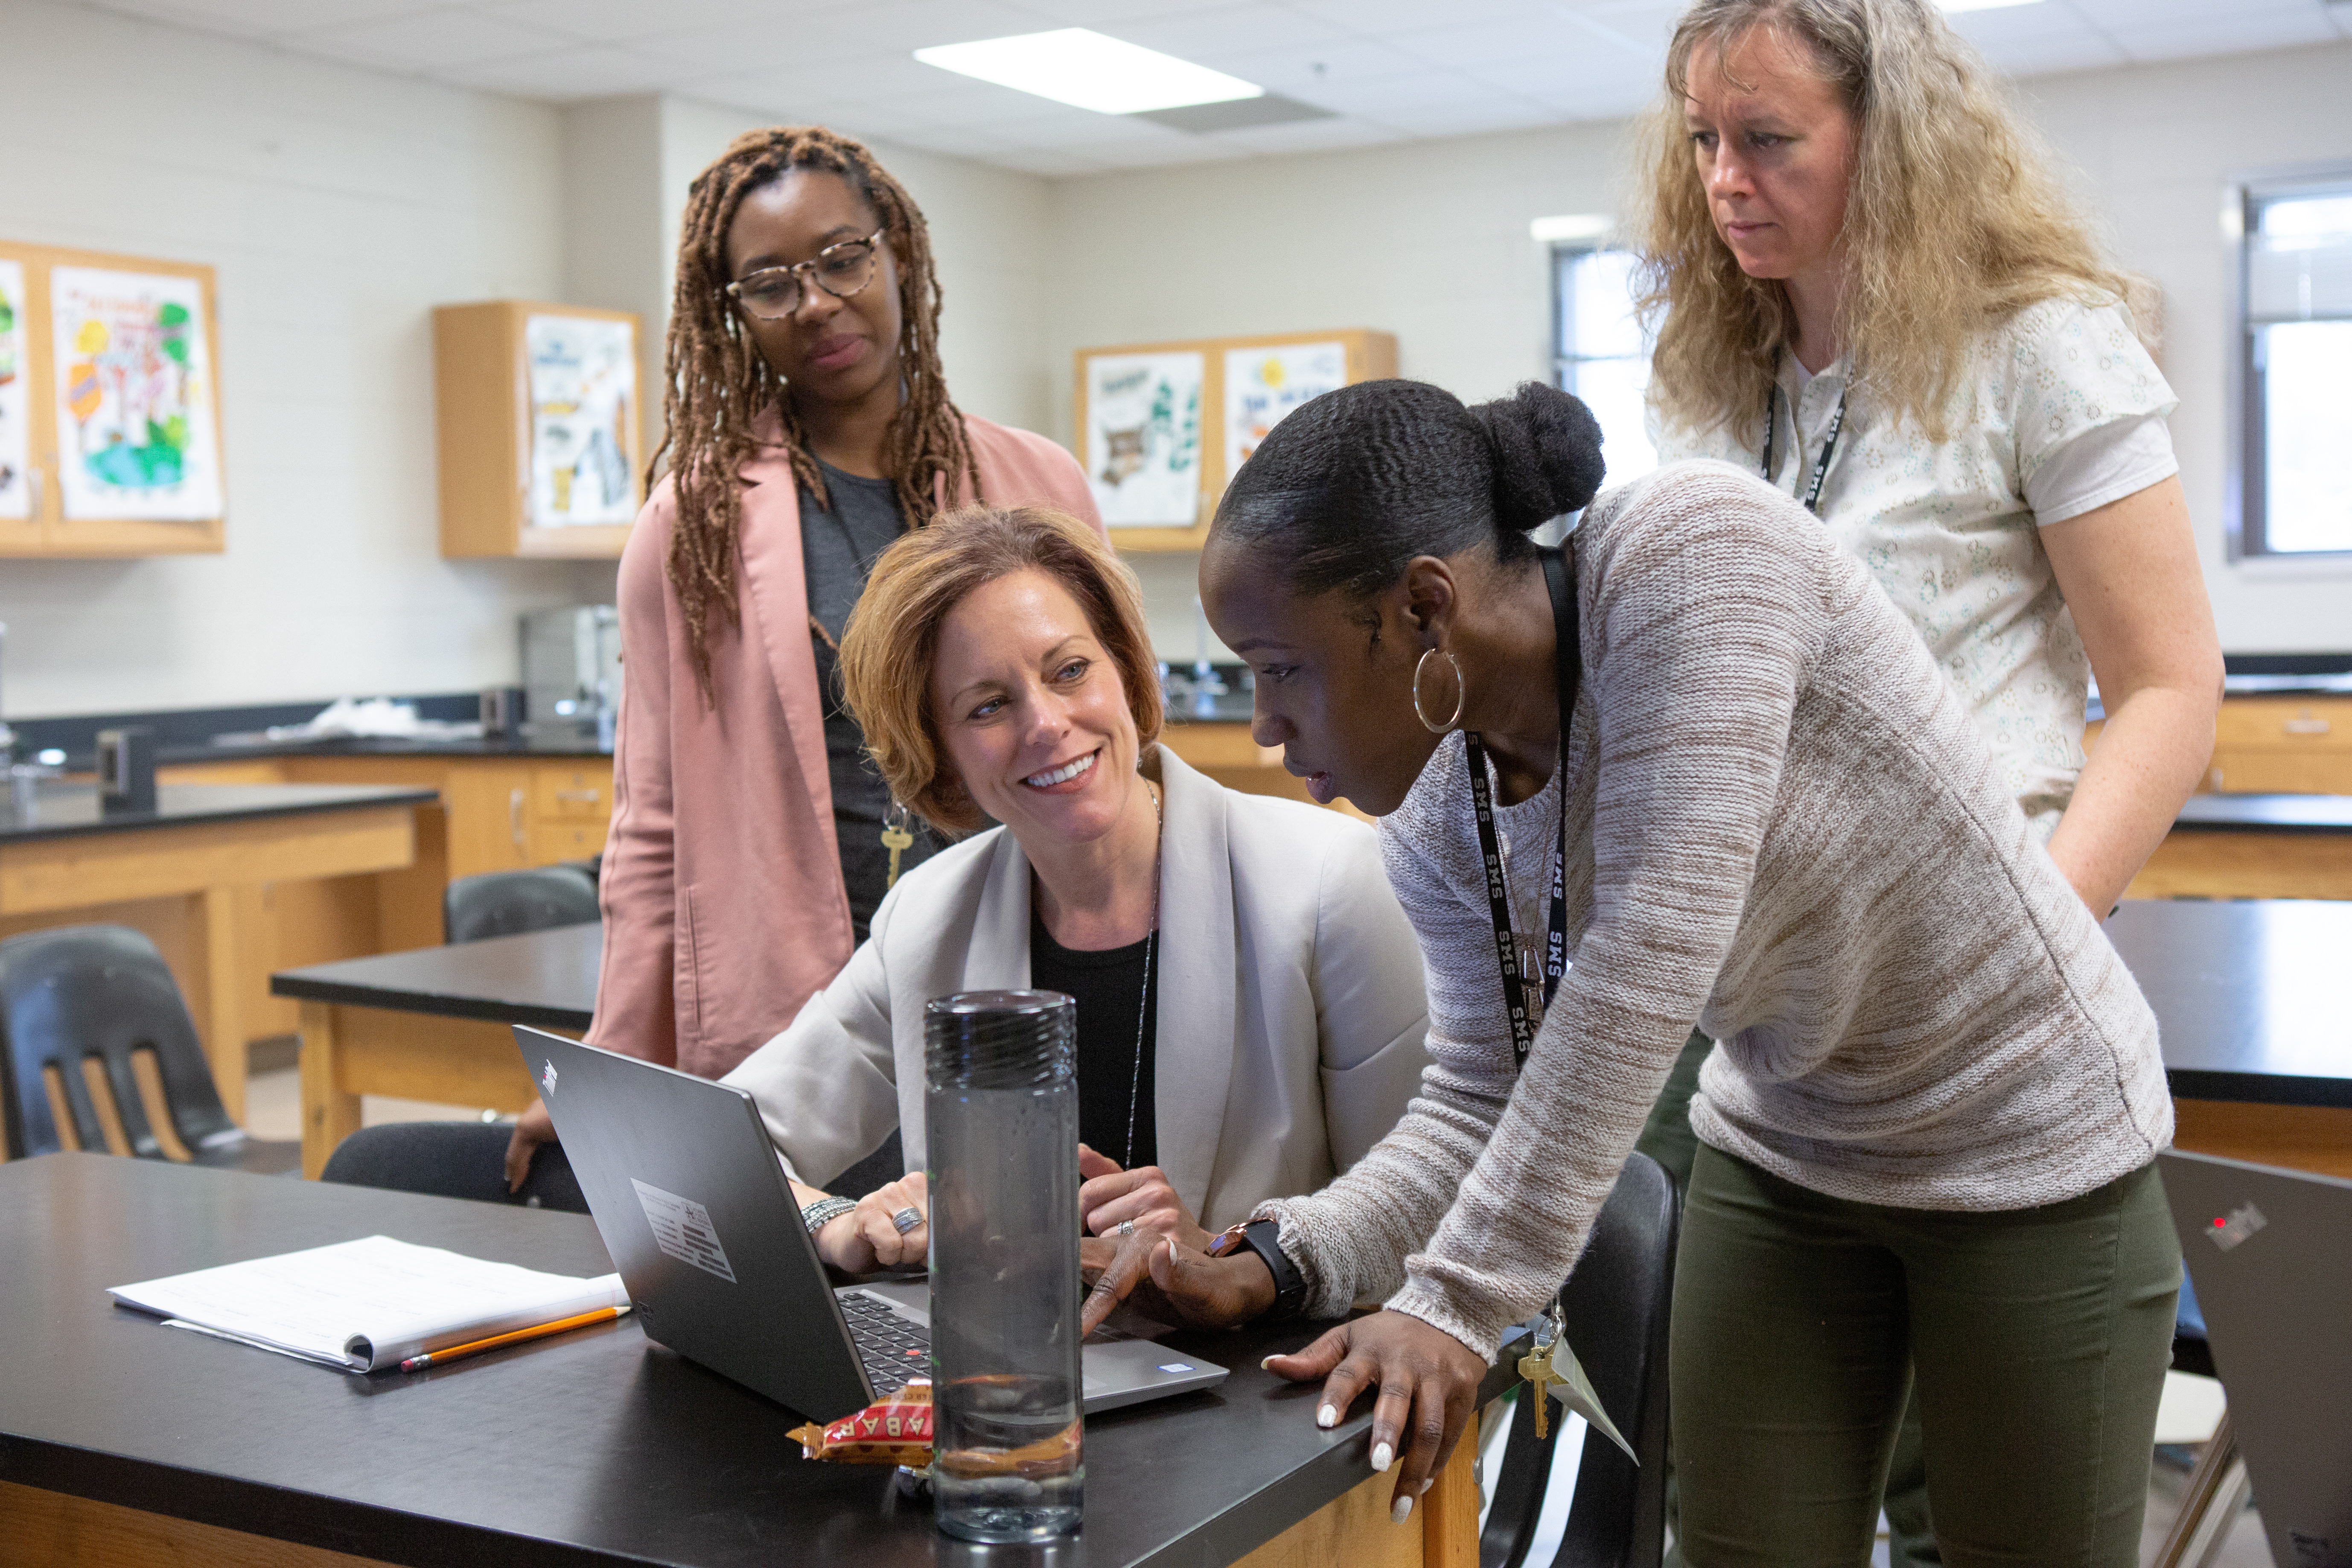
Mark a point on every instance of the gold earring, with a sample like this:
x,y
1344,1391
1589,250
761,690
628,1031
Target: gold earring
x,y
1420,712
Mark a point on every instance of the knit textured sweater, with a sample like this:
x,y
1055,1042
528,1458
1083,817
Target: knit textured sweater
x,y
1784,826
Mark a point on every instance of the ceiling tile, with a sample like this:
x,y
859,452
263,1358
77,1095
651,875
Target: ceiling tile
x,y
1426,87
590,70
1210,35
1381,19
1299,70
604,21
430,40
1310,136
250,17
2122,17
1530,35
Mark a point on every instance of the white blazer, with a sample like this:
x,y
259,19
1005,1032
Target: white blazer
x,y
1290,1002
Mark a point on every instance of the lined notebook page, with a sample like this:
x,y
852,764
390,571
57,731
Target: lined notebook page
x,y
367,1304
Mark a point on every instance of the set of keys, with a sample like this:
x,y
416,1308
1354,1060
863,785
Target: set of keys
x,y
1551,1363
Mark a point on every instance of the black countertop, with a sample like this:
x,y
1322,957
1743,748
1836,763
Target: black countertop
x,y
2266,813
226,751
590,1448
67,810
193,734
544,978
2249,994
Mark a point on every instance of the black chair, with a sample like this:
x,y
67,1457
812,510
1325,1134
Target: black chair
x,y
1616,1303
507,903
86,1014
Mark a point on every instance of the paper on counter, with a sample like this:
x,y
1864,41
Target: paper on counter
x,y
368,1304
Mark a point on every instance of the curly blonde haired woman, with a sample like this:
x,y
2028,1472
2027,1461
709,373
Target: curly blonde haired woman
x,y
1877,293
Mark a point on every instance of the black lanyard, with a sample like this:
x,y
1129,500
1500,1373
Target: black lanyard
x,y
1821,469
1568,666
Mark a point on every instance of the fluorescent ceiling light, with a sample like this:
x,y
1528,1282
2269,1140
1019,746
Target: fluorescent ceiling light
x,y
1983,5
1571,225
1083,67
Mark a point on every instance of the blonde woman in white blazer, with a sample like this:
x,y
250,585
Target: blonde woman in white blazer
x,y
998,668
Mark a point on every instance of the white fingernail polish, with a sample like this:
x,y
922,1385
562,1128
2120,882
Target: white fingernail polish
x,y
1424,1486
1268,1365
1382,1455
1401,1511
1326,1416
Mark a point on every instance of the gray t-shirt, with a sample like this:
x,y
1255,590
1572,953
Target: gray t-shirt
x,y
838,548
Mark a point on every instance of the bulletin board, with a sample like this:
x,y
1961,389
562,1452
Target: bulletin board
x,y
1163,427
109,406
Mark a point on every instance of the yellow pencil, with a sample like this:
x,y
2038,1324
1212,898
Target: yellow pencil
x,y
537,1331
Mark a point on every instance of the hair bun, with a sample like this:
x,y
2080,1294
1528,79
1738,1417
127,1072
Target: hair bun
x,y
1546,447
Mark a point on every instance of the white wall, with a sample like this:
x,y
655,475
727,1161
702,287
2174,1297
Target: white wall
x,y
2154,147
339,205
991,230
1377,238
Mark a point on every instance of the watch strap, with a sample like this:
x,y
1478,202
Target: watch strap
x,y
1263,1236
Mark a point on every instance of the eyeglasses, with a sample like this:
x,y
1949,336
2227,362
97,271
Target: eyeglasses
x,y
774,293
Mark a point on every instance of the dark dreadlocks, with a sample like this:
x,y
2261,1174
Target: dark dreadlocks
x,y
715,383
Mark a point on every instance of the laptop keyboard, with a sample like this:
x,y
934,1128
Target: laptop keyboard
x,y
893,1349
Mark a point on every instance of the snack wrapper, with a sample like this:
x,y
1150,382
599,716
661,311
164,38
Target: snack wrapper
x,y
893,1430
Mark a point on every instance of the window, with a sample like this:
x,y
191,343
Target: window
x,y
1601,353
2294,491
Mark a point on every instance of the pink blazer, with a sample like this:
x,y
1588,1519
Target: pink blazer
x,y
724,909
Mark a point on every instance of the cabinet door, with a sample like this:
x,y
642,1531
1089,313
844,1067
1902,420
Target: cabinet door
x,y
573,794
489,817
553,841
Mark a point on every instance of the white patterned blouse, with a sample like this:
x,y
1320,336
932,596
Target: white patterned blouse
x,y
2062,412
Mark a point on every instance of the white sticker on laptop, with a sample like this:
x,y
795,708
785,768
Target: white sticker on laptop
x,y
682,1228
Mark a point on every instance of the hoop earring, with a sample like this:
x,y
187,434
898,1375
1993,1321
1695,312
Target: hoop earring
x,y
1436,726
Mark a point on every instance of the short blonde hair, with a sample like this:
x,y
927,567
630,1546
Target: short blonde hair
x,y
893,636
1955,220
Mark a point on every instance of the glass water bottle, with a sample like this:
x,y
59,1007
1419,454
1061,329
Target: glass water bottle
x,y
1001,1124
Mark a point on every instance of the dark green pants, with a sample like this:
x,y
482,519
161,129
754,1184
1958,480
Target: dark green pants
x,y
2038,1337
1667,1138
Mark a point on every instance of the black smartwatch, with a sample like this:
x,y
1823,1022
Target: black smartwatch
x,y
1262,1237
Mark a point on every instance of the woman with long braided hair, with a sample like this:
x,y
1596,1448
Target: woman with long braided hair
x,y
809,426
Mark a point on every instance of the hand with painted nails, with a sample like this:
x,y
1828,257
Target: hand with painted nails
x,y
1170,1281
1428,1389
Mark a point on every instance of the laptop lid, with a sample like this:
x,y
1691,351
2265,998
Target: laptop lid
x,y
2270,1252
695,1209
700,1221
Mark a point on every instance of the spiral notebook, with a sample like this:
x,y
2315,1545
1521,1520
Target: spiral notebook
x,y
367,1305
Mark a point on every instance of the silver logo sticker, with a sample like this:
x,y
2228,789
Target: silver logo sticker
x,y
547,1078
682,1228
2240,1223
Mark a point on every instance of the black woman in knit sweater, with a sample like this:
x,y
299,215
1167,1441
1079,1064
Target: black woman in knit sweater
x,y
1926,1138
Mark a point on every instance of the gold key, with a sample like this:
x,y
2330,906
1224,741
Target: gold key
x,y
895,838
1535,1367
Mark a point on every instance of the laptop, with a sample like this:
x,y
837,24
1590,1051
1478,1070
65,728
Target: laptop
x,y
697,1214
2270,1253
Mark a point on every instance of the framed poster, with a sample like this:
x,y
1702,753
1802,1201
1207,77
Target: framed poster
x,y
583,375
138,429
16,410
1264,381
1142,417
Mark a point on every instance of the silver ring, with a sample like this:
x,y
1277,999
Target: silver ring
x,y
907,1220
1125,1227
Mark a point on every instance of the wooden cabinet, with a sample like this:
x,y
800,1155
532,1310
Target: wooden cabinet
x,y
1235,390
141,398
495,813
537,424
2283,745
2277,746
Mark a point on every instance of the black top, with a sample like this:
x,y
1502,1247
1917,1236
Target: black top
x,y
838,547
1119,1017
65,810
589,1447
